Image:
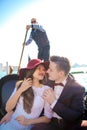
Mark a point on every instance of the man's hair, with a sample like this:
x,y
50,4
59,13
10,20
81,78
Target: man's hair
x,y
62,63
33,19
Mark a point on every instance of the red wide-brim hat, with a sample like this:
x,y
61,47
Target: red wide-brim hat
x,y
33,64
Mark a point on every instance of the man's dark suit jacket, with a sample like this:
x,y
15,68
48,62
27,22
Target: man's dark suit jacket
x,y
70,107
70,104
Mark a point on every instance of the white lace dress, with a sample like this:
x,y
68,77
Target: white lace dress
x,y
37,108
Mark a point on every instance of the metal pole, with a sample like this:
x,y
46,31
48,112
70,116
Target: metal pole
x,y
22,50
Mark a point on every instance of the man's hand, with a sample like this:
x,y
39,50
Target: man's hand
x,y
24,43
22,120
28,27
49,96
6,118
84,123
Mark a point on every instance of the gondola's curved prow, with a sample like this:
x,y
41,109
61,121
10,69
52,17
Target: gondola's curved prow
x,y
7,85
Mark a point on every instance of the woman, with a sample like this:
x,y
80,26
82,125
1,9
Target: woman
x,y
27,99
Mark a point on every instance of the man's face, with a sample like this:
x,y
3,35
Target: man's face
x,y
53,72
33,21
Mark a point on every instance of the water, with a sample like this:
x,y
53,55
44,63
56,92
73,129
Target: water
x,y
80,77
3,73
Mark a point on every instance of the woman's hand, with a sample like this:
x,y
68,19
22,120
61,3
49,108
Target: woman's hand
x,y
27,83
6,118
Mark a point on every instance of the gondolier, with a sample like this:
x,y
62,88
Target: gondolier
x,y
38,34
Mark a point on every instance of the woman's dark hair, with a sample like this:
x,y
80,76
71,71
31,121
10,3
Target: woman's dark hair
x,y
28,95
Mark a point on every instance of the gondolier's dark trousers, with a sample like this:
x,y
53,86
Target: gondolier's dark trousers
x,y
44,53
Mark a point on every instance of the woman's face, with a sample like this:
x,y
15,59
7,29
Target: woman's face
x,y
39,72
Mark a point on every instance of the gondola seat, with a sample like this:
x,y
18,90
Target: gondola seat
x,y
7,85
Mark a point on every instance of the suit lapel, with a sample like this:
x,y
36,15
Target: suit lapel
x,y
67,89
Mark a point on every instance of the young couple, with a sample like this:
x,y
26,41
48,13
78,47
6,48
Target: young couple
x,y
63,105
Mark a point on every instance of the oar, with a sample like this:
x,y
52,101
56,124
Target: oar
x,y
22,50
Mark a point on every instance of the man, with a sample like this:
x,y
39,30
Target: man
x,y
38,34
66,100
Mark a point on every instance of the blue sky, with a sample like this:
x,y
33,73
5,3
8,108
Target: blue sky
x,y
10,7
65,22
